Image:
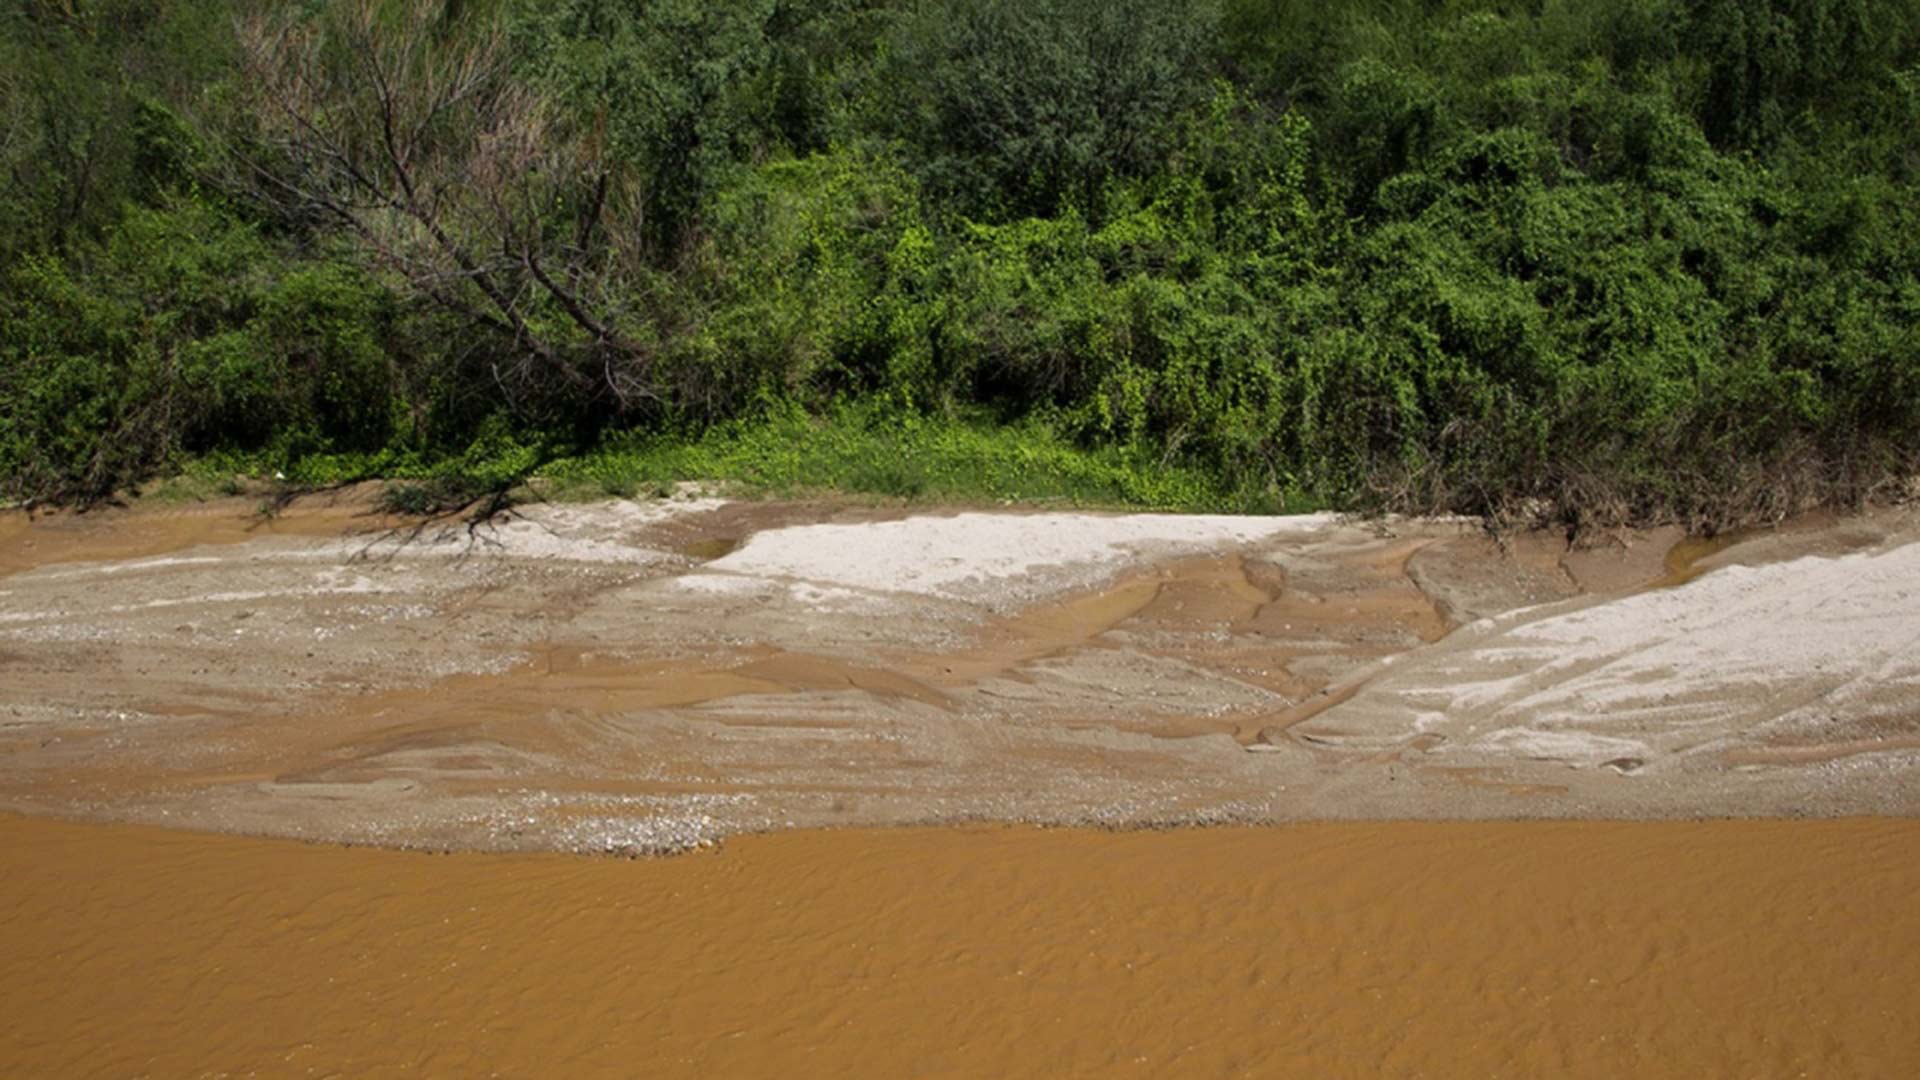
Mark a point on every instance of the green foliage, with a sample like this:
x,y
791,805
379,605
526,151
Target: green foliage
x,y
1025,106
182,332
879,451
84,119
814,282
684,92
1653,259
1774,65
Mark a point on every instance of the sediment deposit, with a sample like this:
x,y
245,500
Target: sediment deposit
x,y
650,676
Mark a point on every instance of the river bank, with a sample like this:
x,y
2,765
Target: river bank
x,y
651,676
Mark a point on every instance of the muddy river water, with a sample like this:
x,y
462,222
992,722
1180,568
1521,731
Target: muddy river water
x,y
1572,949
810,689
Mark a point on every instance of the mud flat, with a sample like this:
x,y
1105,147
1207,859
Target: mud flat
x,y
646,677
1570,949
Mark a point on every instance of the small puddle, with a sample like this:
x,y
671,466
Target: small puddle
x,y
30,541
1684,559
714,547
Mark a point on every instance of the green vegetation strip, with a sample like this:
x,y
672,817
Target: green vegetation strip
x,y
1594,262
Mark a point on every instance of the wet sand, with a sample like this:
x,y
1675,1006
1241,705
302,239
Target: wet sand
x,y
1366,950
653,676
147,529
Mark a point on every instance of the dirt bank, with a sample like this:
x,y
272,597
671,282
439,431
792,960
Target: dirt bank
x,y
1811,661
1365,950
649,676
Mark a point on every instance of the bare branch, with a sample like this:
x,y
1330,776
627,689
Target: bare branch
x,y
449,174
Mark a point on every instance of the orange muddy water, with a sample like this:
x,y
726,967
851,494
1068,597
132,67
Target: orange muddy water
x,y
142,531
1783,948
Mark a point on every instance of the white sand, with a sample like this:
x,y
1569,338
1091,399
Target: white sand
x,y
989,557
1741,652
605,532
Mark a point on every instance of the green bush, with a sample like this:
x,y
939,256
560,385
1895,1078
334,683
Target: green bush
x,y
1018,107
1651,260
183,333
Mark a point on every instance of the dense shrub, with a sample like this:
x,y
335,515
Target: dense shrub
x,y
182,332
1027,106
1654,259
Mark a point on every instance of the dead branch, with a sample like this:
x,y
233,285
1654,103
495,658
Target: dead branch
x,y
417,141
